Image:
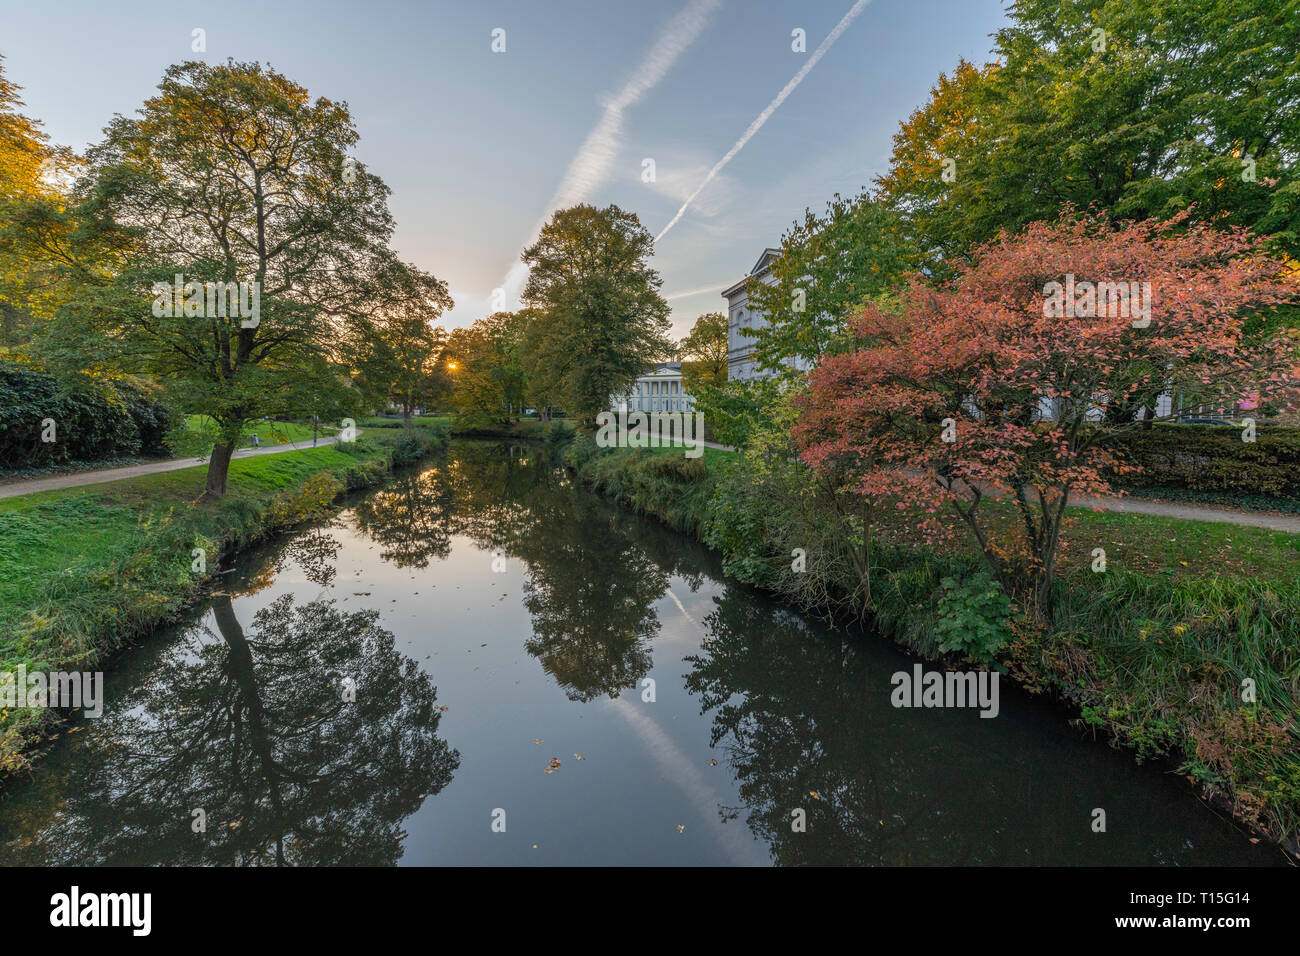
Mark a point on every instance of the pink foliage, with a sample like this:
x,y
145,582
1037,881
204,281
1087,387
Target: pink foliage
x,y
987,354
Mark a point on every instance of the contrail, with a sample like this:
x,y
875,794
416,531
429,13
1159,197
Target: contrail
x,y
755,126
681,295
590,167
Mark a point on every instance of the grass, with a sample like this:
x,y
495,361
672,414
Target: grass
x,y
198,435
84,570
422,421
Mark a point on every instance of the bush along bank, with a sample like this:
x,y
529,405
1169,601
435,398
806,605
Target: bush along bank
x,y
44,423
83,571
1177,660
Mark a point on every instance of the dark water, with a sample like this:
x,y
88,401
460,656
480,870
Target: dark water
x,y
469,680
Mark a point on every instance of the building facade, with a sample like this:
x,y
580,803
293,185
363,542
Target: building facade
x,y
741,363
659,389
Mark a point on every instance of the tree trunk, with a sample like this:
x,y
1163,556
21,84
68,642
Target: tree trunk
x,y
218,469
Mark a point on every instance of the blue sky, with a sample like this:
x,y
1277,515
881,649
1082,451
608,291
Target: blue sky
x,y
478,145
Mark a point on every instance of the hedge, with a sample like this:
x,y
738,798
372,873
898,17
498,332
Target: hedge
x,y
1212,458
89,423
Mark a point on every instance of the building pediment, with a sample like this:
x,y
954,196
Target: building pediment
x,y
764,261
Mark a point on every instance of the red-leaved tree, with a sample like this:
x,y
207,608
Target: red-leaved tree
x,y
1015,378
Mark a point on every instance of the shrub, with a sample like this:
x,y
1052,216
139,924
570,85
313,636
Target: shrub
x,y
412,444
559,435
93,421
582,450
974,616
676,467
1213,459
154,420
90,423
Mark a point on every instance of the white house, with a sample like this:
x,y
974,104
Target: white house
x,y
657,390
741,363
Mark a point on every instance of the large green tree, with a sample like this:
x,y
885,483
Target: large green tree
x,y
231,174
33,227
600,319
395,348
481,361
854,252
1139,107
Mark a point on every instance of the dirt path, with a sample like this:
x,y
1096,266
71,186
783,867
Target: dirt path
x,y
30,486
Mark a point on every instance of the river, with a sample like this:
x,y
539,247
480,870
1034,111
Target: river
x,y
454,670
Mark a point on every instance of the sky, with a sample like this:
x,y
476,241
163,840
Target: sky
x,y
480,147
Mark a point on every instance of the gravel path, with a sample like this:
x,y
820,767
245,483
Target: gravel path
x,y
30,486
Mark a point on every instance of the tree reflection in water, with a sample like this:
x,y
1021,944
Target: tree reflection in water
x,y
591,596
250,726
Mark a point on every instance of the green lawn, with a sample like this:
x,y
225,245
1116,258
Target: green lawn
x,y
422,421
200,431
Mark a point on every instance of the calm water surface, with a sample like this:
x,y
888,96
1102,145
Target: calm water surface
x,y
494,622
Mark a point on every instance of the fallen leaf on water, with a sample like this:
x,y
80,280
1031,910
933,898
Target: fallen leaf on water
x,y
555,763
680,828
577,756
538,740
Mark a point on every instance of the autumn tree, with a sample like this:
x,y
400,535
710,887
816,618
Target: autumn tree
x,y
34,228
703,353
992,385
231,174
486,378
600,320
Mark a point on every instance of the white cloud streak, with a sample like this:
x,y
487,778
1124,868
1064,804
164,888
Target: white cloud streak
x,y
771,108
590,167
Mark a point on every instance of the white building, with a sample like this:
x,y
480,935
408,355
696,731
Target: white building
x,y
657,390
741,363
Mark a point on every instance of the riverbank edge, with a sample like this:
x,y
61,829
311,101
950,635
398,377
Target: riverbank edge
x,y
374,460
688,515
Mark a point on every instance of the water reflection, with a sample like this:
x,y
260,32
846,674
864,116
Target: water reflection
x,y
249,725
590,588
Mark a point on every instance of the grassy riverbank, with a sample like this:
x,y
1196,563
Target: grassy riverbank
x,y
1152,653
84,570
